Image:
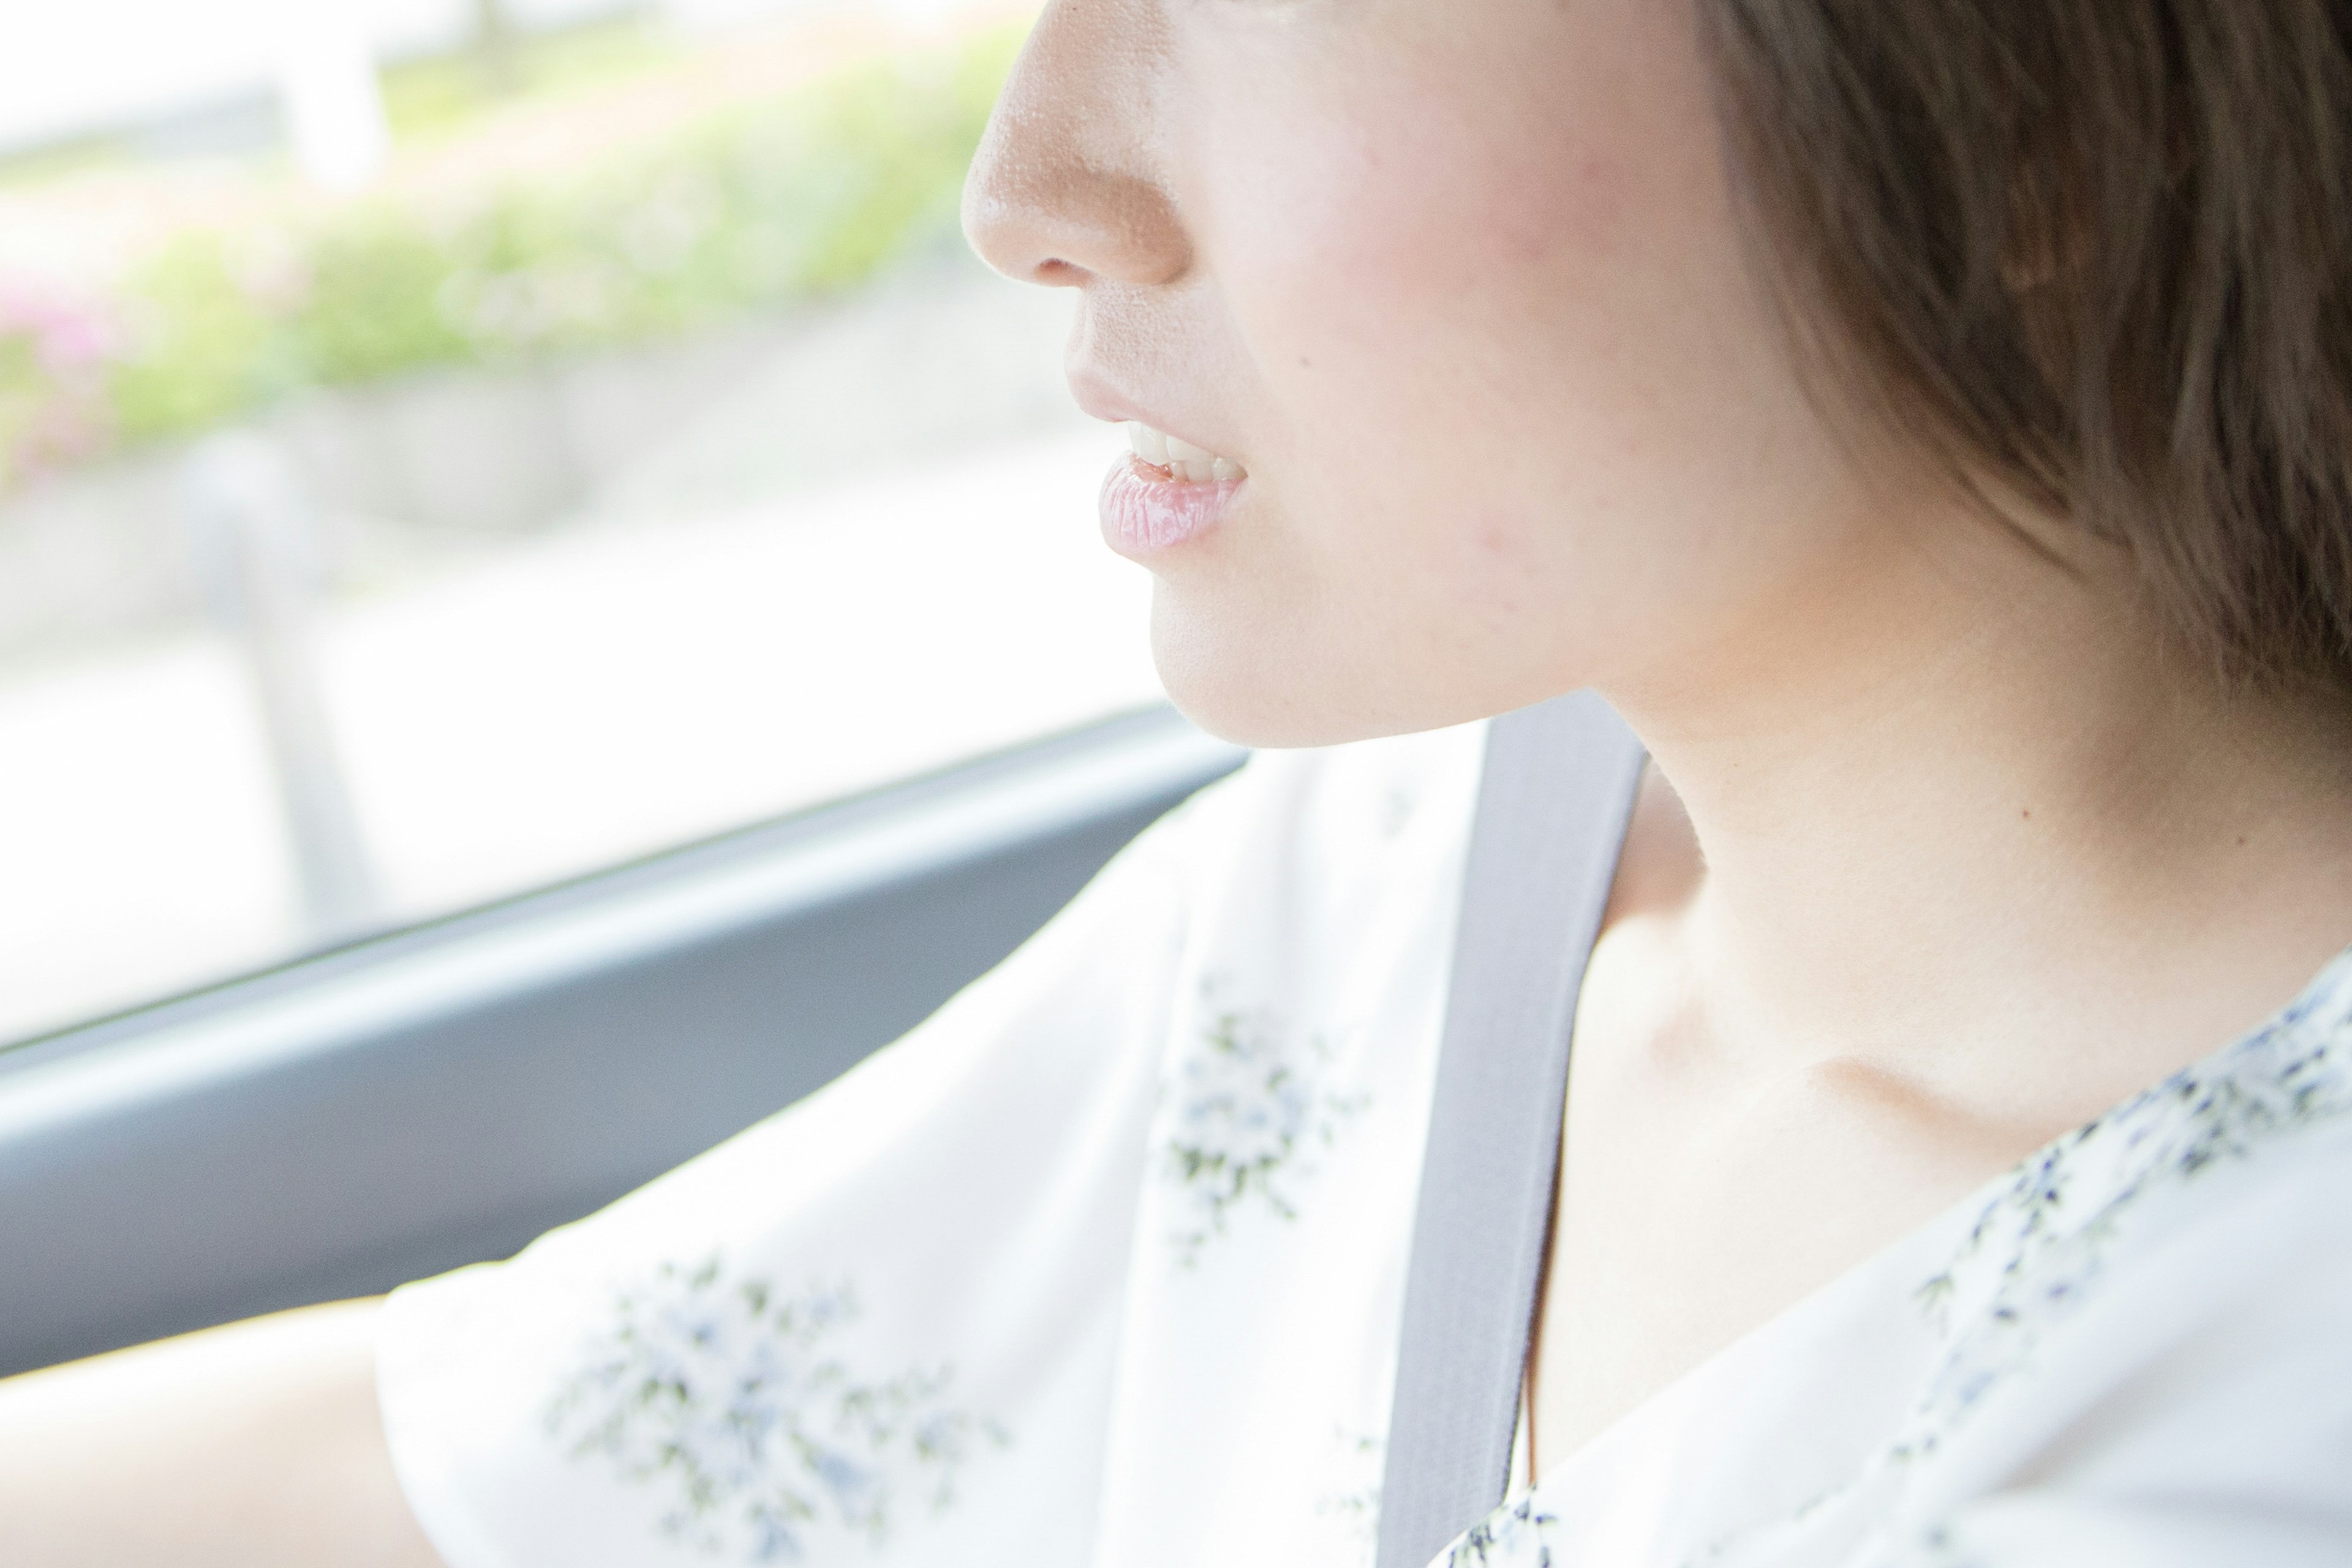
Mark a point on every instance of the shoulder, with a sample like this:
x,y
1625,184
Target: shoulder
x,y
2174,1322
2194,1411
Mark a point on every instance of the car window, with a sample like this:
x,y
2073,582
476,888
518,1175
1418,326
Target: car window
x,y
450,446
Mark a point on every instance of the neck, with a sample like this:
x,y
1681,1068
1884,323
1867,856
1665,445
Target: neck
x,y
1987,818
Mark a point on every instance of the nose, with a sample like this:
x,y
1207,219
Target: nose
x,y
1065,189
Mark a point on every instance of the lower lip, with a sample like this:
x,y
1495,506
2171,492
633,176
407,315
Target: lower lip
x,y
1146,513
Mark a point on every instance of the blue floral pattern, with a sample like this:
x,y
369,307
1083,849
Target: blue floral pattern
x,y
1252,1110
1516,1535
1356,1504
733,1398
2043,1242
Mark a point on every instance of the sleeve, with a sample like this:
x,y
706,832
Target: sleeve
x,y
2198,1411
878,1327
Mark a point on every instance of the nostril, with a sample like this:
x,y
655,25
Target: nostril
x,y
1062,226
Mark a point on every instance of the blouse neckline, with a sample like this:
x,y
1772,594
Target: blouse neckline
x,y
2293,1068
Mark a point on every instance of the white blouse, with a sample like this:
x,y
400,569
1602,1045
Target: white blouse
x,y
1102,1267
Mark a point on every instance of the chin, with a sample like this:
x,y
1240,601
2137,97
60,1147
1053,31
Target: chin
x,y
1237,687
1253,719
1283,691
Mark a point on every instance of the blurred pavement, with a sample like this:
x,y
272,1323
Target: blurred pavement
x,y
572,702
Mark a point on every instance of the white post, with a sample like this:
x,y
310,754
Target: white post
x,y
254,549
327,84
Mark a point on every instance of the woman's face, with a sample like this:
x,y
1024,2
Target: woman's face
x,y
1458,283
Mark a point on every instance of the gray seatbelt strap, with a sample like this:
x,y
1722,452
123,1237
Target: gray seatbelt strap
x,y
1552,811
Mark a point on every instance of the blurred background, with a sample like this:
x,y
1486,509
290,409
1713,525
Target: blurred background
x,y
447,447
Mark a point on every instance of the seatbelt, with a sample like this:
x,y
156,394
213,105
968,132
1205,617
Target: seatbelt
x,y
1552,812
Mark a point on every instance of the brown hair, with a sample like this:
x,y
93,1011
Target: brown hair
x,y
2099,252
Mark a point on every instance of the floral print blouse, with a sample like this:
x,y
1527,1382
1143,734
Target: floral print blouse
x,y
1103,1265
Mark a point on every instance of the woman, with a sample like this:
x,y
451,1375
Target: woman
x,y
1930,425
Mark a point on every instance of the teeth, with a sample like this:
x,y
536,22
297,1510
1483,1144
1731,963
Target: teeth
x,y
1150,444
1182,459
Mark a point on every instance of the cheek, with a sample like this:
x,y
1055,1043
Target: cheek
x,y
1468,197
1459,328
1401,255
1510,389
1470,271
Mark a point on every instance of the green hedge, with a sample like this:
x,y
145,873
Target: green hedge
x,y
750,207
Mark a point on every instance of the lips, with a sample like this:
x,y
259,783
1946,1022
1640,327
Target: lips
x,y
1151,507
1169,491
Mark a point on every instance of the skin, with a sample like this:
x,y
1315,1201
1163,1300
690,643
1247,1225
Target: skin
x,y
1942,851
256,1445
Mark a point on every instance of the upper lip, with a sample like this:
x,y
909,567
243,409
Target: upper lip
x,y
1101,400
